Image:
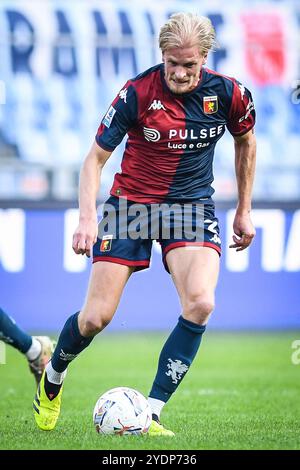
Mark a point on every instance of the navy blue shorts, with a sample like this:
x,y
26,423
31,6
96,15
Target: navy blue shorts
x,y
127,230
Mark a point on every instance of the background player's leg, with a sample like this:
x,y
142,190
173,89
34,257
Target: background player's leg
x,y
11,334
37,349
195,273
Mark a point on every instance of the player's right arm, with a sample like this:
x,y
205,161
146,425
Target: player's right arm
x,y
119,118
86,233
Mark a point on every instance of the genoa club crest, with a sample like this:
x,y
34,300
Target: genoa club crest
x,y
210,104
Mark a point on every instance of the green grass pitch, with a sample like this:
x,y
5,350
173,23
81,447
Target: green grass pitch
x,y
242,392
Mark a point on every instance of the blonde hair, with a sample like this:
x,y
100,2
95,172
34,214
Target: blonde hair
x,y
187,30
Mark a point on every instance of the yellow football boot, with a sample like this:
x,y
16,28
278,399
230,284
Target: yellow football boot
x,y
46,411
157,429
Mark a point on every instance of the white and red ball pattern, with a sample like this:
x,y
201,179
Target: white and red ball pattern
x,y
122,411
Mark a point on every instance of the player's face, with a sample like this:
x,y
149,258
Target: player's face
x,y
182,68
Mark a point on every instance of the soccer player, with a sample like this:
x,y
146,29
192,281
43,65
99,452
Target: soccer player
x,y
174,114
37,349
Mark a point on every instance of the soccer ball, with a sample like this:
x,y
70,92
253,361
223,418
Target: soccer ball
x,y
122,411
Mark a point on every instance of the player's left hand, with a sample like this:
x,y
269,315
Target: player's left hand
x,y
244,231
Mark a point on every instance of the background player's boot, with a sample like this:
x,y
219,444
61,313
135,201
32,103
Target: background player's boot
x,y
38,365
157,429
46,410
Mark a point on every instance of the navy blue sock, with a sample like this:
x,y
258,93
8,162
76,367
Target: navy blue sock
x,y
11,334
70,344
176,357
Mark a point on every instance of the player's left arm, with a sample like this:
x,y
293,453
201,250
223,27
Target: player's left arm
x,y
245,158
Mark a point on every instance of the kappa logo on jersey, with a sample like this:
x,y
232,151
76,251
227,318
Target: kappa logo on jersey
x,y
109,116
123,94
156,105
210,104
152,135
242,90
249,108
106,243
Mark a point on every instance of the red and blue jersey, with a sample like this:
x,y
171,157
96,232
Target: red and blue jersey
x,y
171,138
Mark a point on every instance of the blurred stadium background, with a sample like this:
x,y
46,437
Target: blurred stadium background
x,y
61,64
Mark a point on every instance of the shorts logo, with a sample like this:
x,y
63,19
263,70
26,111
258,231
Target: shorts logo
x,y
109,116
210,104
106,243
216,239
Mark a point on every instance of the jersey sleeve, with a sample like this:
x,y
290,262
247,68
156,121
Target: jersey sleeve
x,y
241,118
120,117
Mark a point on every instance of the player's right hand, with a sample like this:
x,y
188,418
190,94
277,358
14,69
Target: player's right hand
x,y
85,236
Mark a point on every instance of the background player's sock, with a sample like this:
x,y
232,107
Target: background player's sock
x,y
175,359
70,343
34,350
11,334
